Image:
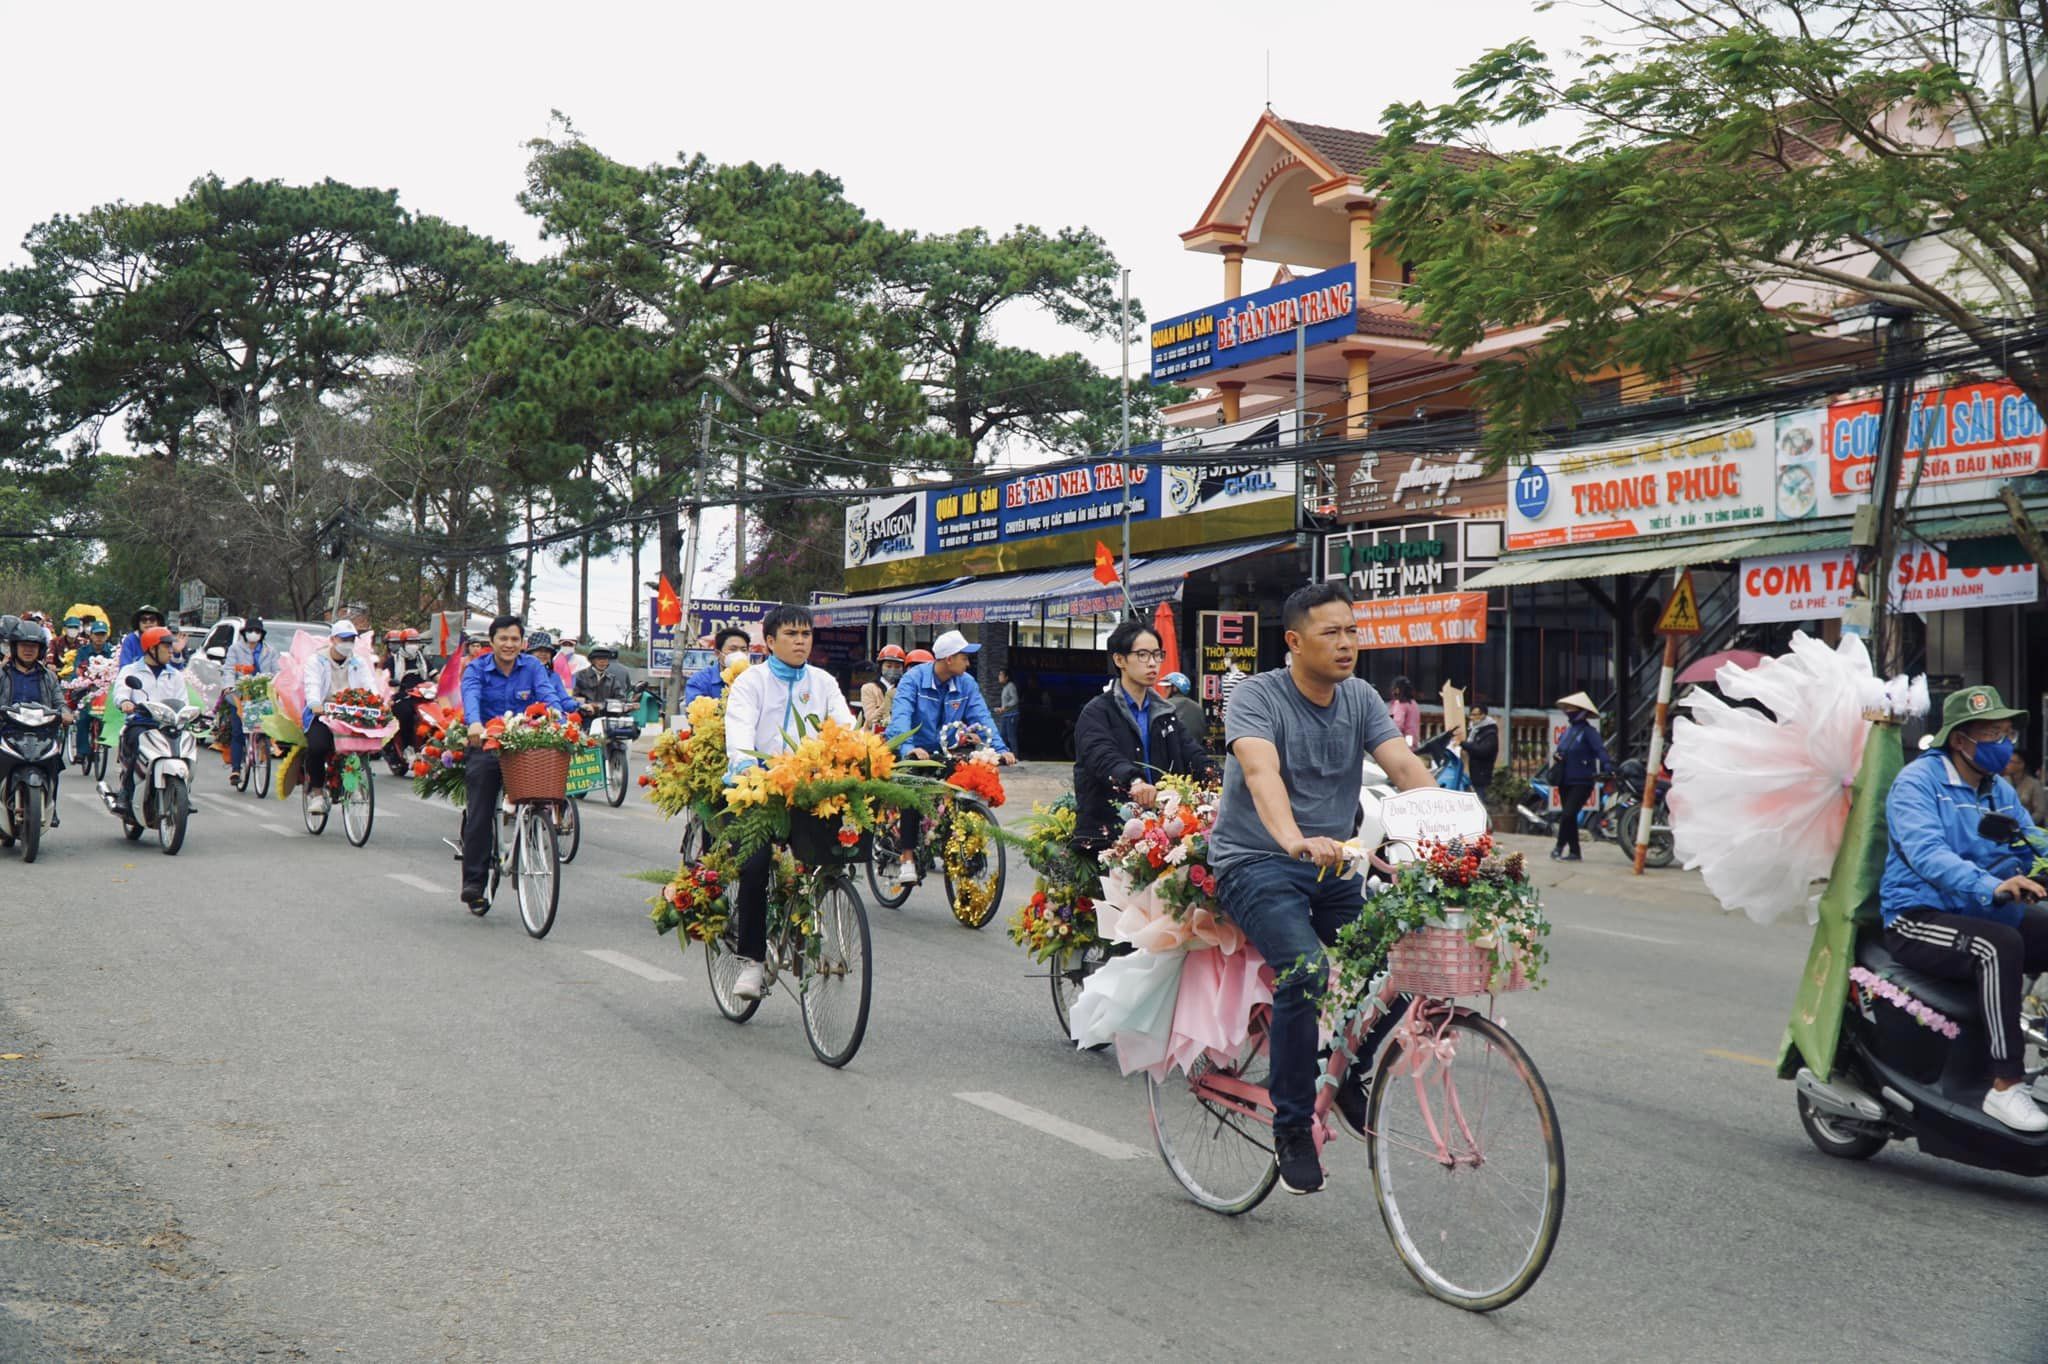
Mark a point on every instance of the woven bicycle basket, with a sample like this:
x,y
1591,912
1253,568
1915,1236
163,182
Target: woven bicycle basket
x,y
535,773
1440,961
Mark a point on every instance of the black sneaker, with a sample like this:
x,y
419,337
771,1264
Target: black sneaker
x,y
472,895
1301,1169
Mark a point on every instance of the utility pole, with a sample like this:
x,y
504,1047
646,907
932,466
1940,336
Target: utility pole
x,y
633,598
692,533
1123,575
1875,531
739,514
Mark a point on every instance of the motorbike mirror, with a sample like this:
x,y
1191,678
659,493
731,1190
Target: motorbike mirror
x,y
1998,828
217,654
135,682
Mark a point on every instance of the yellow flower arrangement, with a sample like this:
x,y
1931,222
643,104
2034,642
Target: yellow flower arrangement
x,y
687,768
967,865
731,670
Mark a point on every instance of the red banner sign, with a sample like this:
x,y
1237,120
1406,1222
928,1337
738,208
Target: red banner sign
x,y
1417,622
1972,431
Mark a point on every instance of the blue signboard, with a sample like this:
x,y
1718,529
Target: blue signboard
x,y
1225,335
1050,503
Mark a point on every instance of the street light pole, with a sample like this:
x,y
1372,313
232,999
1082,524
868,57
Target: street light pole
x,y
1123,575
692,533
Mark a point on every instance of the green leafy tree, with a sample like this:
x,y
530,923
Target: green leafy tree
x,y
1745,167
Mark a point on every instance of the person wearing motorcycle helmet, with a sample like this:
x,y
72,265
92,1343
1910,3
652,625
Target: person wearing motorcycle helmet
x,y
1180,696
131,643
601,682
29,683
161,680
917,656
1960,905
878,696
249,656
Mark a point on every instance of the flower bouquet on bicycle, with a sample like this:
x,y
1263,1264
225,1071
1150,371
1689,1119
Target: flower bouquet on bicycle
x,y
438,772
1057,925
1461,1137
686,772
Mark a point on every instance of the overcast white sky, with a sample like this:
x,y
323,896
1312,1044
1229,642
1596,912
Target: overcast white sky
x,y
1121,117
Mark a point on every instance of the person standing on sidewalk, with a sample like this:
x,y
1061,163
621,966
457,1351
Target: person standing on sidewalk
x,y
1007,702
1401,708
1297,738
1482,746
1581,758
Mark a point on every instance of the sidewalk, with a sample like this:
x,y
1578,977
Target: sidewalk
x,y
1605,872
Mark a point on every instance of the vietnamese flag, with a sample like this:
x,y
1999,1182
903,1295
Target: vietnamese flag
x,y
1105,564
1169,644
668,607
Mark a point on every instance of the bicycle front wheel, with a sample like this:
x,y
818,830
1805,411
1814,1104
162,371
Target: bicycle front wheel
x,y
261,773
977,892
358,803
723,966
884,857
1070,970
1467,1163
536,870
618,768
836,986
1221,1155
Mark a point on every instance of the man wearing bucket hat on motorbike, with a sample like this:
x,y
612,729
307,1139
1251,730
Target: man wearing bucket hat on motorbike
x,y
1958,905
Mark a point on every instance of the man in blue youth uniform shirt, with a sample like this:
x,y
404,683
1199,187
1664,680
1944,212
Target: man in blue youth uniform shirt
x,y
504,682
931,698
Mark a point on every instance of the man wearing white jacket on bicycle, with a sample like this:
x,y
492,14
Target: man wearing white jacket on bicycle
x,y
769,709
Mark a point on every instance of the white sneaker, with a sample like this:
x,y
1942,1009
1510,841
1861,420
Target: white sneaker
x,y
2016,1109
753,979
317,803
906,874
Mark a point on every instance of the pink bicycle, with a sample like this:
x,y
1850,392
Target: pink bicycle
x,y
1467,1157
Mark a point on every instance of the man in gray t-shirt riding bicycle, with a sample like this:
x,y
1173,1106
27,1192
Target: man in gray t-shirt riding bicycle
x,y
1297,739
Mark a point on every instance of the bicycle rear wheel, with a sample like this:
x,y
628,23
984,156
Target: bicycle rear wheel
x,y
1223,1157
723,966
358,802
884,853
536,870
979,892
836,986
1467,1164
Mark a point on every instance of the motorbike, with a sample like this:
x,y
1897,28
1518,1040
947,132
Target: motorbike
x,y
165,749
1596,816
616,726
1628,813
1444,761
1896,1079
31,757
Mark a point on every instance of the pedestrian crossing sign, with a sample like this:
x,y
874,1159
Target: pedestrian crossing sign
x,y
1682,613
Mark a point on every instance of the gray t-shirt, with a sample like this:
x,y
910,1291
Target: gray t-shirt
x,y
1322,751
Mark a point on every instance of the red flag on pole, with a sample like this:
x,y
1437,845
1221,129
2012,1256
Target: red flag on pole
x,y
668,607
1105,564
1169,644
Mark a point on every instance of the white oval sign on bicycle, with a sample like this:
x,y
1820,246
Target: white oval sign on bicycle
x,y
1428,813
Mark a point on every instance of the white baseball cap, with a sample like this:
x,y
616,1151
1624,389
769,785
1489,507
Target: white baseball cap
x,y
953,642
342,629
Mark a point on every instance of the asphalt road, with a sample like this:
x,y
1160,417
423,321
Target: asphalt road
x,y
282,1098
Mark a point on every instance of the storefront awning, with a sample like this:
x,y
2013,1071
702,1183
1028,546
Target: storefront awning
x,y
1530,568
976,601
856,610
1153,580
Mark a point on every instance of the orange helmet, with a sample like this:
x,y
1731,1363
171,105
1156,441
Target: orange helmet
x,y
890,653
918,656
153,636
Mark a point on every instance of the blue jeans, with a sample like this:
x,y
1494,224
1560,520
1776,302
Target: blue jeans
x,y
1289,916
1006,725
237,741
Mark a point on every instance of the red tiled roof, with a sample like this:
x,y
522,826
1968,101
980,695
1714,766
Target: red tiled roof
x,y
1353,153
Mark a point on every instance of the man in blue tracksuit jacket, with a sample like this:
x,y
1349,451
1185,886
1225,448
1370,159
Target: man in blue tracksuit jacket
x,y
709,680
931,697
1958,905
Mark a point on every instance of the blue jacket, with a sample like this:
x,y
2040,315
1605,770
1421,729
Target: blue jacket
x,y
488,693
925,706
708,680
1936,859
1583,752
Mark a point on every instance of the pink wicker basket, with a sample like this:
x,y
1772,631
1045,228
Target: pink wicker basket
x,y
1440,961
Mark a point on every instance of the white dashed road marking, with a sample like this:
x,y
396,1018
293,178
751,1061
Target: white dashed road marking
x,y
633,964
1087,1138
1632,937
280,830
416,882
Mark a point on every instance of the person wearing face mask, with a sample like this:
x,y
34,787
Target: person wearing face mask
x,y
766,711
248,656
709,680
162,680
878,696
1960,906
335,668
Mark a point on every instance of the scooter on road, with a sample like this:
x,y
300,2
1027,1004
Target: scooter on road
x,y
1897,1079
31,758
165,748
